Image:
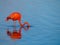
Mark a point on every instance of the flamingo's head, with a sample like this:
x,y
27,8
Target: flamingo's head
x,y
7,18
28,25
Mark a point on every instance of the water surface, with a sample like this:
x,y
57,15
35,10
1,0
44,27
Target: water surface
x,y
43,16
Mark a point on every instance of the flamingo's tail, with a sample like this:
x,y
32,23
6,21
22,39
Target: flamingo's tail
x,y
7,18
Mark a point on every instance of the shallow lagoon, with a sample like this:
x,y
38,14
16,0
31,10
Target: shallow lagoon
x,y
43,16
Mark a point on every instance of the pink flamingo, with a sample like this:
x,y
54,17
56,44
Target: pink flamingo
x,y
16,16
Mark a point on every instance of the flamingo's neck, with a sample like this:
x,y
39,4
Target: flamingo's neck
x,y
24,23
21,24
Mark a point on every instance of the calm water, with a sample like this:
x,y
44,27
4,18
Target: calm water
x,y
43,16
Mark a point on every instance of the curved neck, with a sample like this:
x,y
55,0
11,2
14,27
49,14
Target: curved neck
x,y
24,23
20,23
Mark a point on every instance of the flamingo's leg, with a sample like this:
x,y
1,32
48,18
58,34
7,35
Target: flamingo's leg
x,y
14,23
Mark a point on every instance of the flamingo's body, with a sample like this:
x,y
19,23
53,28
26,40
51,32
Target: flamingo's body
x,y
16,16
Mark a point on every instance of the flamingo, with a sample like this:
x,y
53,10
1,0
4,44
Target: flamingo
x,y
16,16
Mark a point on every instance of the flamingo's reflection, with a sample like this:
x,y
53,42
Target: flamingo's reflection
x,y
16,34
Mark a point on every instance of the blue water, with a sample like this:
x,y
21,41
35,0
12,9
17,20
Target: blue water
x,y
43,16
